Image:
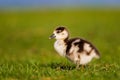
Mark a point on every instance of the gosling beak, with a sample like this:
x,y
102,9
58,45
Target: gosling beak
x,y
52,36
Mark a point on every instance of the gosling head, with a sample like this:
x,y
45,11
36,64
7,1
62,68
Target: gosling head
x,y
60,33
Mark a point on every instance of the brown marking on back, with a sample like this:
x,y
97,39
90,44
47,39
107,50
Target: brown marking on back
x,y
92,47
88,53
80,44
69,44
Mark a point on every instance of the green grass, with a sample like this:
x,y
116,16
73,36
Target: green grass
x,y
26,53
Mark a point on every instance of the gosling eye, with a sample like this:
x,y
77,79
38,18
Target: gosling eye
x,y
62,33
58,31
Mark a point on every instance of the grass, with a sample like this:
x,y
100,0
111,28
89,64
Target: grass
x,y
26,53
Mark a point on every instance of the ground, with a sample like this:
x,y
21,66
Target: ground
x,y
26,53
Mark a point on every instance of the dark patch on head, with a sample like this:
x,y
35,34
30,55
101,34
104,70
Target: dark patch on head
x,y
60,29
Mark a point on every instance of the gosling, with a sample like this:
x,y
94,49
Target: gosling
x,y
77,50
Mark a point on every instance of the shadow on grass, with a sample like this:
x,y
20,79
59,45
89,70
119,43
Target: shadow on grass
x,y
61,66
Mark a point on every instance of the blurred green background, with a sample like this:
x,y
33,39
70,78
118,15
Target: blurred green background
x,y
26,53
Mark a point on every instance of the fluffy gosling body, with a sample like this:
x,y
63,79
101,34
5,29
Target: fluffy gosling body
x,y
77,50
